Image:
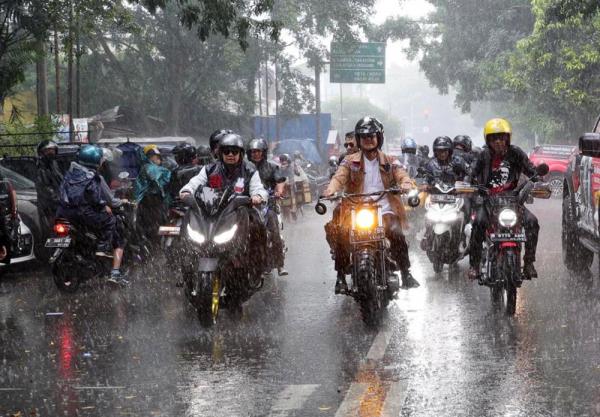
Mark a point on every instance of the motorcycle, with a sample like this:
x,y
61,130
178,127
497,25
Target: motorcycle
x,y
373,281
446,234
505,236
74,246
216,235
272,205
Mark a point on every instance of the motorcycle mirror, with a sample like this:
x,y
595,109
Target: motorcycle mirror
x,y
414,201
321,208
123,175
542,169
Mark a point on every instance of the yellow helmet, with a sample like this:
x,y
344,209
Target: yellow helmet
x,y
497,126
150,150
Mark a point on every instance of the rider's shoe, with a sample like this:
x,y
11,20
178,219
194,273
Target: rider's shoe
x,y
408,281
282,272
119,278
340,284
529,271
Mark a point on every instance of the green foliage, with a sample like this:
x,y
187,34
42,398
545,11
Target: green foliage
x,y
18,139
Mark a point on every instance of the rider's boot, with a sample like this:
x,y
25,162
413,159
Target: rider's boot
x,y
340,284
474,273
529,270
408,281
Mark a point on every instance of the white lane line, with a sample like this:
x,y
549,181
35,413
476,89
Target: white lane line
x,y
12,389
394,399
379,345
351,403
98,387
291,398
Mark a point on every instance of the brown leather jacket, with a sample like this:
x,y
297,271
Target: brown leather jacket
x,y
350,177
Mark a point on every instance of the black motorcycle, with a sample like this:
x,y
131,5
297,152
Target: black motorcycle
x,y
74,245
223,243
504,239
373,281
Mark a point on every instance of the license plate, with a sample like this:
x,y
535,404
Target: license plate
x,y
443,198
169,230
508,237
58,242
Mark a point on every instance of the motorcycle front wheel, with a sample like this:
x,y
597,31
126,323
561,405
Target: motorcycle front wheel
x,y
205,297
371,299
510,270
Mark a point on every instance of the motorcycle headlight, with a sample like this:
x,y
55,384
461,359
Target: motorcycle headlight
x,y
450,217
365,219
507,218
226,236
194,235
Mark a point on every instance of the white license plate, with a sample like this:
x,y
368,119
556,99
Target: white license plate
x,y
169,230
442,198
58,242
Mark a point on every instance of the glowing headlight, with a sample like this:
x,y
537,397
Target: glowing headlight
x,y
507,218
194,235
365,219
225,236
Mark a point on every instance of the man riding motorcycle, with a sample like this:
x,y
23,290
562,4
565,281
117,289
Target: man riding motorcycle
x,y
349,145
409,158
186,156
463,147
47,184
498,168
230,170
85,199
445,166
204,155
274,181
370,170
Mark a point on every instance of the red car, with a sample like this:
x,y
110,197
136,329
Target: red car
x,y
557,158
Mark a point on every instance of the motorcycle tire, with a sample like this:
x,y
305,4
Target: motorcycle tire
x,y
371,300
203,300
511,272
438,266
576,257
66,273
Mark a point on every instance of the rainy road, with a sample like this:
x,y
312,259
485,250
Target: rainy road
x,y
299,350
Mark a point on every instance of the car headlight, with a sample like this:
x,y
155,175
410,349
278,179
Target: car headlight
x,y
507,218
195,236
365,219
225,236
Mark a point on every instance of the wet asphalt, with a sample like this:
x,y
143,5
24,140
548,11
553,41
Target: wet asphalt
x,y
444,349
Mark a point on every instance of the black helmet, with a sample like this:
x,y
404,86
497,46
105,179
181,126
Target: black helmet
x,y
184,153
46,144
409,145
424,151
204,155
257,144
463,141
213,141
284,157
368,125
442,143
231,141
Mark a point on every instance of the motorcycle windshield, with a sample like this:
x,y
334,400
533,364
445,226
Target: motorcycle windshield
x,y
212,201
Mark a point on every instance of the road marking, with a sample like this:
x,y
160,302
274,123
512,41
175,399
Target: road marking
x,y
291,398
394,400
11,389
379,345
98,387
351,404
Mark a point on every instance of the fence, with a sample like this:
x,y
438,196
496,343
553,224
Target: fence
x,y
25,143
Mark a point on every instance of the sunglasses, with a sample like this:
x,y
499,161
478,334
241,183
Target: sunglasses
x,y
348,145
230,151
368,135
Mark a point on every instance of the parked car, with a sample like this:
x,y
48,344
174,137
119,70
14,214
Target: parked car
x,y
557,158
581,202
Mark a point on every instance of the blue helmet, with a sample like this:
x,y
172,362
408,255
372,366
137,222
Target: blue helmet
x,y
90,156
409,145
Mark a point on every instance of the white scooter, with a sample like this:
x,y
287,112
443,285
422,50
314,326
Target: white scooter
x,y
446,238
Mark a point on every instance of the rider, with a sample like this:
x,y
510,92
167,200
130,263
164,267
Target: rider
x,y
204,155
85,199
274,181
370,170
214,139
409,159
463,147
349,145
47,183
499,168
228,171
151,192
186,157
445,167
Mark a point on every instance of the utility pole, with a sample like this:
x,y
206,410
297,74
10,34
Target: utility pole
x,y
318,105
277,118
268,134
341,110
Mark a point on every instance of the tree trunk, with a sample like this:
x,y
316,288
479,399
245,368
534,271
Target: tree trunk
x,y
70,73
260,109
57,72
277,118
42,80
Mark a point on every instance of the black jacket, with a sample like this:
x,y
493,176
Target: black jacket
x,y
270,174
514,164
47,184
181,176
454,170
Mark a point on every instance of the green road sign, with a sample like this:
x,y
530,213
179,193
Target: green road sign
x,y
357,63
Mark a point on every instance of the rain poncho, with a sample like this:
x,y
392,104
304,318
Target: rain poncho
x,y
153,179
